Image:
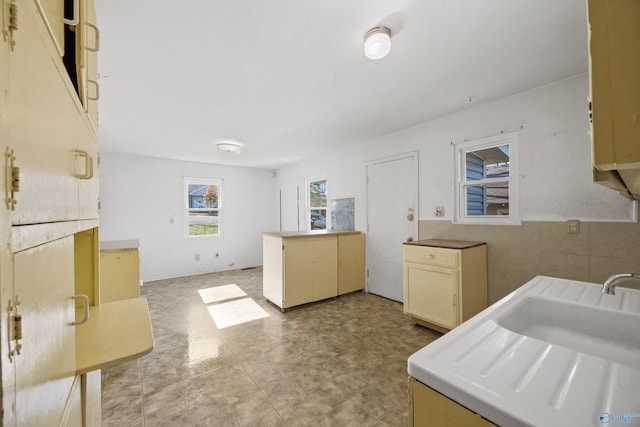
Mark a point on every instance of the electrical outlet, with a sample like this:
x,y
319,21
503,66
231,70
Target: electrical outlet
x,y
573,226
440,211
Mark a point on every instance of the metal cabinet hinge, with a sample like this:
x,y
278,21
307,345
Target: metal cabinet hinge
x,y
14,327
10,24
12,180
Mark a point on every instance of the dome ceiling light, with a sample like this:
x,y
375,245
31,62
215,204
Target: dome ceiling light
x,y
377,43
229,147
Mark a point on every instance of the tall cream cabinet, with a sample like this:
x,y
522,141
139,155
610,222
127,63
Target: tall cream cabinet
x,y
53,342
119,270
302,267
614,67
444,281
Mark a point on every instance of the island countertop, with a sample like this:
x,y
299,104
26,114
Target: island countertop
x,y
308,233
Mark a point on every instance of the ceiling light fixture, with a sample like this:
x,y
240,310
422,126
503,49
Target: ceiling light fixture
x,y
230,147
377,42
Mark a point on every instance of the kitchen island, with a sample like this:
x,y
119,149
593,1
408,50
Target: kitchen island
x,y
300,267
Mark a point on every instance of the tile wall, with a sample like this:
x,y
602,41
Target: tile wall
x,y
518,253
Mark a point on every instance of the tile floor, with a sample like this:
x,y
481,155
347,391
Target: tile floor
x,y
339,362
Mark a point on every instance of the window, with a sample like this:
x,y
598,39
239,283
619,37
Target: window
x,y
317,204
203,202
486,184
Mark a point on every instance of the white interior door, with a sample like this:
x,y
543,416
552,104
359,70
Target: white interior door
x,y
392,218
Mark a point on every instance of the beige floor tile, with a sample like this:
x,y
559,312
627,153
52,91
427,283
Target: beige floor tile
x,y
338,362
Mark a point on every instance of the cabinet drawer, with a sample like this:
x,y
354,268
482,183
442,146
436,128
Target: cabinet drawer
x,y
431,256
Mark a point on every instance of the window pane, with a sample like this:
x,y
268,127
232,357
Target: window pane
x,y
490,199
319,219
203,208
318,194
488,163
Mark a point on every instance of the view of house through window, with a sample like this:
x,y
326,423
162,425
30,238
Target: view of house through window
x,y
203,207
486,179
317,207
491,167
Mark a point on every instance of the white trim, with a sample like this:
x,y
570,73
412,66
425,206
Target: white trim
x,y
220,208
307,202
459,217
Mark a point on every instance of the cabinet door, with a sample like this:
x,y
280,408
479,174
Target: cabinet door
x,y
87,172
351,263
52,12
432,294
614,47
325,267
87,60
45,367
41,131
298,272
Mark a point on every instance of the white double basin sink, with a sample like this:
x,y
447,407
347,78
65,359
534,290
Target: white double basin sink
x,y
555,352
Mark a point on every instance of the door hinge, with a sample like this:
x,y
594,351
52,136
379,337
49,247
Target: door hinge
x,y
10,24
14,327
12,179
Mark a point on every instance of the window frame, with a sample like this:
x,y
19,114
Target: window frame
x,y
460,167
309,208
219,209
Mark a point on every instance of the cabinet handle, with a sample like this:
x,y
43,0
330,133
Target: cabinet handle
x,y
76,14
96,46
86,308
96,85
88,165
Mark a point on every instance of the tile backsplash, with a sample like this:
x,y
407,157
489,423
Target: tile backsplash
x,y
516,254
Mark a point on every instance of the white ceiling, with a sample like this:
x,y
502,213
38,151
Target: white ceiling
x,y
288,78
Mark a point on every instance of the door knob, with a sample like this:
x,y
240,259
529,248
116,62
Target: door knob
x,y
410,217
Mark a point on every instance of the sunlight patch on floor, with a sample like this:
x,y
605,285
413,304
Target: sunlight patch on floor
x,y
236,312
220,293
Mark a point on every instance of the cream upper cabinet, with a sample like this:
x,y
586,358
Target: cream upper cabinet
x,y
614,67
52,12
44,355
444,282
50,144
88,45
302,267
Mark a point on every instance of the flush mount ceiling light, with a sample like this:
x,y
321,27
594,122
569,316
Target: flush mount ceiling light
x,y
377,42
230,147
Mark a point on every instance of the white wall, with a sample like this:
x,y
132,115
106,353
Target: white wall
x,y
554,158
140,196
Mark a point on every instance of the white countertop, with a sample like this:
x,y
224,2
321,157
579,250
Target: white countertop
x,y
517,380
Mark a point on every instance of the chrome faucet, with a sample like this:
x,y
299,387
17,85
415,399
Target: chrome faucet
x,y
609,286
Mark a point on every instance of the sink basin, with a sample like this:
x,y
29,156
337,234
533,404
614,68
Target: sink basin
x,y
554,352
604,333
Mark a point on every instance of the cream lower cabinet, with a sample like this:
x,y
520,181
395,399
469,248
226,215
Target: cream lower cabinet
x,y
44,352
351,263
119,270
430,408
303,267
444,282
